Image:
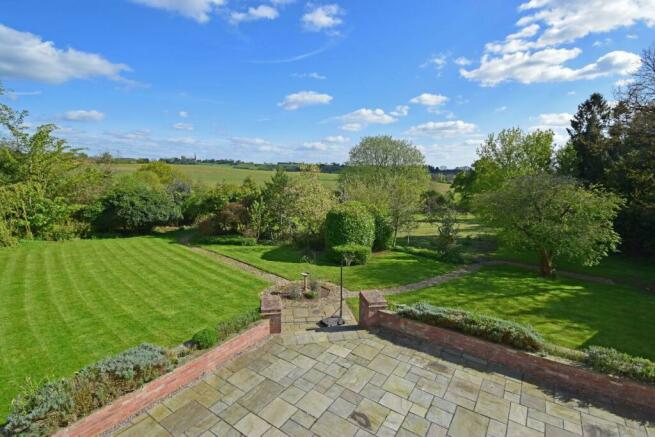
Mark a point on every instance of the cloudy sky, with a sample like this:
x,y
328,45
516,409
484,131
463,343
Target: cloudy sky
x,y
280,80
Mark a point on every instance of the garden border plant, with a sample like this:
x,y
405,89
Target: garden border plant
x,y
43,408
523,337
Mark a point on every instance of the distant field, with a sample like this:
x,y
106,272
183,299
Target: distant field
x,y
66,305
212,174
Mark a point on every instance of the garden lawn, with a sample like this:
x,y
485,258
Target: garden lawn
x,y
639,271
383,270
66,305
566,312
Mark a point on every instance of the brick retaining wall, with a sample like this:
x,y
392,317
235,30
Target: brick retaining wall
x,y
621,392
126,406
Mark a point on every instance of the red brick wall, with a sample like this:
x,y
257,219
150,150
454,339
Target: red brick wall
x,y
137,401
534,368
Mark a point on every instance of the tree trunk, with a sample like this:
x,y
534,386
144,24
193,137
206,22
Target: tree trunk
x,y
546,264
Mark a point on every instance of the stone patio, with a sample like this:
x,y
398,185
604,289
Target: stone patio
x,y
304,314
356,383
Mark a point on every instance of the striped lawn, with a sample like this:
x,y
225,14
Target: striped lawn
x,y
65,305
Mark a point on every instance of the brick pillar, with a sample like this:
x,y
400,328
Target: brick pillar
x,y
271,309
370,302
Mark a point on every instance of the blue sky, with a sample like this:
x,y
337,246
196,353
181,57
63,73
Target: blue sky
x,y
281,80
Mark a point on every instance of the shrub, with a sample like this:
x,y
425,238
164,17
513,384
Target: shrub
x,y
359,254
231,240
310,294
607,360
383,230
205,338
237,324
39,410
489,328
349,223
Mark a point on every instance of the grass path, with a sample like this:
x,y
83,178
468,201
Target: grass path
x,y
68,304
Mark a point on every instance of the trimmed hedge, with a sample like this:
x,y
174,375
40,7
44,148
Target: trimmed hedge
x,y
489,328
41,410
383,230
230,240
359,253
237,324
349,223
611,361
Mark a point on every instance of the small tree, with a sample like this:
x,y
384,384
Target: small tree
x,y
553,215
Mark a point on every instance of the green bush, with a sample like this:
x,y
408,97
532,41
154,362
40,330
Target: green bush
x,y
205,338
40,410
349,223
607,360
237,324
383,230
358,253
230,240
489,328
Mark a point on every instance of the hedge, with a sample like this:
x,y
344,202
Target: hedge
x,y
349,223
357,252
383,230
607,360
489,328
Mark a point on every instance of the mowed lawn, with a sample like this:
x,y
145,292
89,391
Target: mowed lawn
x,y
66,305
566,312
383,270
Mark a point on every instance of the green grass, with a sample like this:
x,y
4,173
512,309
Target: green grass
x,y
619,267
566,312
212,174
66,305
385,269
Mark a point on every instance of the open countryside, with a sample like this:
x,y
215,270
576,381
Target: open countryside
x,y
273,219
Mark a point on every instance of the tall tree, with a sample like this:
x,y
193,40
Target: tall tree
x,y
588,132
389,174
555,216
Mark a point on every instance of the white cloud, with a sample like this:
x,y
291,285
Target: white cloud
x,y
15,95
314,145
183,126
462,61
304,98
312,75
534,52
352,127
324,17
437,61
623,82
400,111
198,10
246,141
440,129
183,114
261,12
84,115
548,66
501,109
24,55
428,99
556,122
361,118
338,139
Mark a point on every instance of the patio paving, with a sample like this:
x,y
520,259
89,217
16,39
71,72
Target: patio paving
x,y
356,383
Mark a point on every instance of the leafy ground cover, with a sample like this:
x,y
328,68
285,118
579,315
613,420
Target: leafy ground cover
x,y
384,269
566,312
66,305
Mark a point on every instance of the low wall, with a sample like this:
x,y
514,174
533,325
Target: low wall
x,y
126,406
533,368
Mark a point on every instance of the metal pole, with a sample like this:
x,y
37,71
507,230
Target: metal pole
x,y
341,293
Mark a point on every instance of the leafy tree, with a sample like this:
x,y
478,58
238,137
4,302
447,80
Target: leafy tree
x,y
510,153
280,200
553,215
312,203
133,206
388,173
